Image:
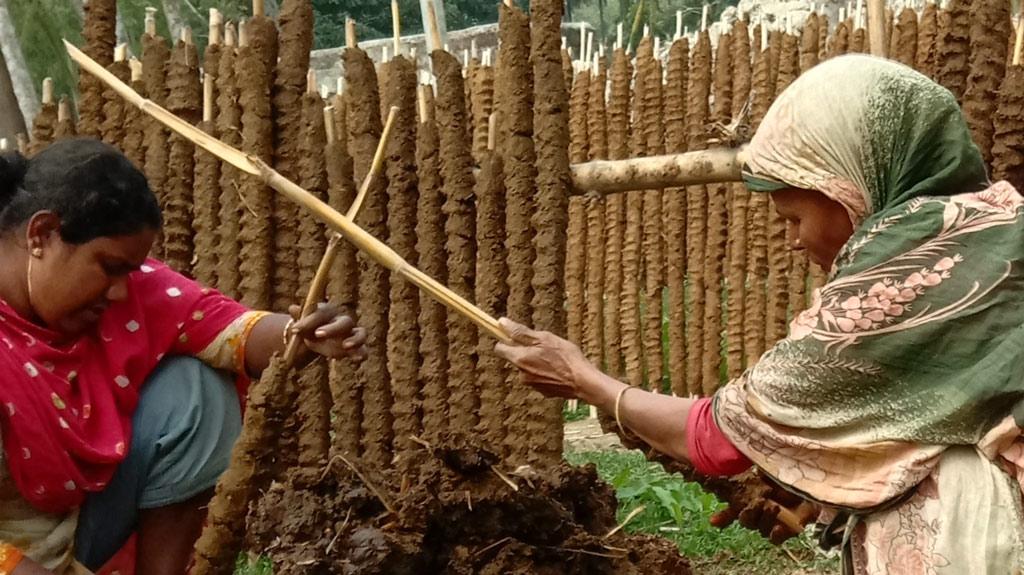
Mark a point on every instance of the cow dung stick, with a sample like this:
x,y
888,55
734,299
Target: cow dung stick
x,y
371,246
876,28
318,287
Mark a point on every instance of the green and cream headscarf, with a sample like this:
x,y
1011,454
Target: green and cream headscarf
x,y
917,341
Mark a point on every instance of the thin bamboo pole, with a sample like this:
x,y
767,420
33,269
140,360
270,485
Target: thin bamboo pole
x,y
370,245
716,165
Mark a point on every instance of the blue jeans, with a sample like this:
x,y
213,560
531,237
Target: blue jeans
x,y
184,428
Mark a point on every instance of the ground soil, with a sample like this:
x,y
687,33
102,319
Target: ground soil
x,y
514,94
990,27
430,239
1007,155
229,130
492,372
184,99
615,211
954,48
403,340
460,230
454,515
697,118
343,287
927,34
295,40
254,78
364,126
674,214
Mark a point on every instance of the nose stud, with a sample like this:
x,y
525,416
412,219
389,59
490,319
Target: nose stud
x,y
37,252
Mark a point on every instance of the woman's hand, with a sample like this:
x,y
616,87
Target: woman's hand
x,y
549,364
329,332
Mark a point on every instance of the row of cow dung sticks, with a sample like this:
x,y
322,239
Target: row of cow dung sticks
x,y
674,215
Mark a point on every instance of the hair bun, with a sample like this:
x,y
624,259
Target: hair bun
x,y
12,171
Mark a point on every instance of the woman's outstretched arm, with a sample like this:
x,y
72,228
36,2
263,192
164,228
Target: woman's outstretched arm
x,y
557,368
326,332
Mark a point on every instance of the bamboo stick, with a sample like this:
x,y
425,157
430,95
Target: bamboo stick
x,y
216,27
329,123
1019,41
47,91
433,31
121,52
351,40
150,22
374,248
208,97
396,28
258,9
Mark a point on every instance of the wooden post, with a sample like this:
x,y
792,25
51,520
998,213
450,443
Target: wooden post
x,y
876,28
329,123
258,10
704,18
311,81
121,52
679,25
136,66
433,30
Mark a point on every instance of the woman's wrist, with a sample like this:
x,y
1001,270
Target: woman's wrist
x,y
596,387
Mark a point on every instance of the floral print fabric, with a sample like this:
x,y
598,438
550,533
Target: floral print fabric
x,y
897,396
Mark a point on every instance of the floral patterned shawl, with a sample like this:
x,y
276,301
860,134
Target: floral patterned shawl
x,y
915,345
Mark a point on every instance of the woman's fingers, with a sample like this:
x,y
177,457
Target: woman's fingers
x,y
519,333
723,518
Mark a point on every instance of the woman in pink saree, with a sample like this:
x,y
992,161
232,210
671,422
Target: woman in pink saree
x,y
115,415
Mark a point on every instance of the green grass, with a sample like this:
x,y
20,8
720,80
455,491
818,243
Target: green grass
x,y
679,511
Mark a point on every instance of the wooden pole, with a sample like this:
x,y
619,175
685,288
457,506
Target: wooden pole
x,y
63,110
329,123
258,9
121,52
715,165
136,66
704,18
876,28
679,25
311,81
186,35
492,131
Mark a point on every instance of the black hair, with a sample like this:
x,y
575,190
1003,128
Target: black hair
x,y
94,189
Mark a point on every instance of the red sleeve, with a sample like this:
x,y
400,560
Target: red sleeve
x,y
710,450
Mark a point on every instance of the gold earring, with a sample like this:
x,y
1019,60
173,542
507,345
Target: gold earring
x,y
37,252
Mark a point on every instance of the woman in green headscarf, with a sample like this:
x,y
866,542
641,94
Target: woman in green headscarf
x,y
895,403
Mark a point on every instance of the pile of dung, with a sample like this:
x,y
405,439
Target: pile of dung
x,y
456,512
